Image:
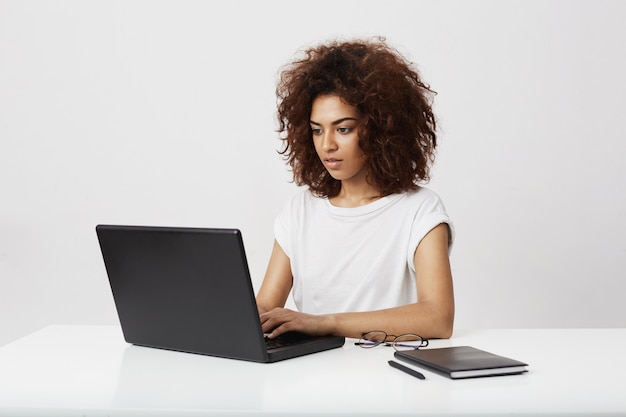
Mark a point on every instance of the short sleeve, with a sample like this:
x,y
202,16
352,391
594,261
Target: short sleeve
x,y
281,231
430,212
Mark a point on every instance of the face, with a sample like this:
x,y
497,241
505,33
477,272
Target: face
x,y
334,129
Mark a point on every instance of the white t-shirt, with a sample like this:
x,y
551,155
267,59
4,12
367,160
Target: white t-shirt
x,y
356,259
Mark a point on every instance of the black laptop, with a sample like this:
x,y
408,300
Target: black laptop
x,y
189,290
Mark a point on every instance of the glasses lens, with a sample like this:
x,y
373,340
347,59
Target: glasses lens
x,y
409,341
371,339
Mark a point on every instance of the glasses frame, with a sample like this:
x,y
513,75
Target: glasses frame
x,y
368,344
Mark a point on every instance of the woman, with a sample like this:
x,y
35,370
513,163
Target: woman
x,y
364,247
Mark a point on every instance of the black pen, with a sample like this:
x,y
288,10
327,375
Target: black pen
x,y
409,371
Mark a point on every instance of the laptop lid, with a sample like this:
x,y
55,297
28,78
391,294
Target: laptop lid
x,y
188,289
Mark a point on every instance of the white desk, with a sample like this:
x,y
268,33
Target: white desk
x,y
91,371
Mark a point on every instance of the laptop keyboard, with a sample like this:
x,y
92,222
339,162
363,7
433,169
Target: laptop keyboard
x,y
286,339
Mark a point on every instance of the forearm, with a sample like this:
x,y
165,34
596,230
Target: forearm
x,y
425,319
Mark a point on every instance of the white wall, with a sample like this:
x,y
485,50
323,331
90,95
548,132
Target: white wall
x,y
162,113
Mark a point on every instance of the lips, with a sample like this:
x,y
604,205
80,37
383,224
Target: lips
x,y
332,163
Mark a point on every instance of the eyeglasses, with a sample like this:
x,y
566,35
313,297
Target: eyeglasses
x,y
401,342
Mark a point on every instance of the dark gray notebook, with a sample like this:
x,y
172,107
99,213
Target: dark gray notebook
x,y
462,362
189,289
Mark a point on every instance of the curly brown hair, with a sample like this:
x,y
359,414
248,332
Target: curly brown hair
x,y
397,132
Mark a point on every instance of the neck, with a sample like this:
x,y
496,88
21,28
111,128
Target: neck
x,y
355,195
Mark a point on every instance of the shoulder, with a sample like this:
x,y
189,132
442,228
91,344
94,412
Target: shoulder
x,y
304,198
302,201
301,197
423,196
429,211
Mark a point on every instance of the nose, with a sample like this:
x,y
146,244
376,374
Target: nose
x,y
327,141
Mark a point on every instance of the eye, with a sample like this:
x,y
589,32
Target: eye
x,y
316,131
344,130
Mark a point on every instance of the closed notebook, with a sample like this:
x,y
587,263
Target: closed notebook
x,y
462,362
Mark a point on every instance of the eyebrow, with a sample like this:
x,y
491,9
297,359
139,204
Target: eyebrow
x,y
336,122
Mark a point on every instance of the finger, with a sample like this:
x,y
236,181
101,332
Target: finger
x,y
281,329
271,320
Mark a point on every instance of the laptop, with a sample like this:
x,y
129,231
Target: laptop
x,y
189,290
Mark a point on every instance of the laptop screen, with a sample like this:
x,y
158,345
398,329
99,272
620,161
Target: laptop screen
x,y
186,289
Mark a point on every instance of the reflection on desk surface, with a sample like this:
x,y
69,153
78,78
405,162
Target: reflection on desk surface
x,y
156,378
